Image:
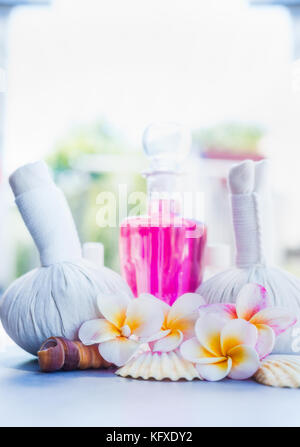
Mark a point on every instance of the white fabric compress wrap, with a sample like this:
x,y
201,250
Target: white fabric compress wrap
x,y
46,214
247,222
247,184
59,297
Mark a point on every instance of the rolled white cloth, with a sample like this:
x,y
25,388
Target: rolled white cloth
x,y
247,183
46,214
30,176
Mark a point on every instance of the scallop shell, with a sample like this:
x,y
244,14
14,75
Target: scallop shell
x,y
159,366
280,371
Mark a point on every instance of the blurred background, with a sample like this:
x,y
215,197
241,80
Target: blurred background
x,y
81,79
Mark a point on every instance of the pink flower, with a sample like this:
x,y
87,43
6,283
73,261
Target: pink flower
x,y
253,305
222,348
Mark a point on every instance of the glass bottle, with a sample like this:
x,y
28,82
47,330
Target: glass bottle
x,y
162,253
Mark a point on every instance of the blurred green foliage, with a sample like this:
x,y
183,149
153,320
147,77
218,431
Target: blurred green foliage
x,y
230,137
98,138
82,188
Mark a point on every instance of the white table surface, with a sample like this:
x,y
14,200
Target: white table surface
x,y
100,398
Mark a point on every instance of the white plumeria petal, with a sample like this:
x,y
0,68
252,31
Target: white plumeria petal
x,y
148,295
184,314
144,317
113,307
275,317
224,310
186,326
251,299
168,343
119,350
208,331
165,307
193,351
265,340
238,332
97,331
214,372
245,362
184,306
155,337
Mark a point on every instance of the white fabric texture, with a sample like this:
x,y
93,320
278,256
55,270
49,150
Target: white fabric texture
x,y
55,301
248,230
247,183
46,214
57,298
28,177
48,218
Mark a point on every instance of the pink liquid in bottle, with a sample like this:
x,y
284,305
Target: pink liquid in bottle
x,y
164,259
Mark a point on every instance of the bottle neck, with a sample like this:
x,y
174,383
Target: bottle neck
x,y
163,194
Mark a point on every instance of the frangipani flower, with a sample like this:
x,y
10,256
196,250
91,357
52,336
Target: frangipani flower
x,y
179,321
253,305
222,349
127,323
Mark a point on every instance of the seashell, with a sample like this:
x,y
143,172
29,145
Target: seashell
x,y
59,353
159,366
280,371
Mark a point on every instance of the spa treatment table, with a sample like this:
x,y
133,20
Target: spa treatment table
x,y
100,398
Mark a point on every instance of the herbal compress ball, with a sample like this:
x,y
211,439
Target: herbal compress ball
x,y
55,299
247,184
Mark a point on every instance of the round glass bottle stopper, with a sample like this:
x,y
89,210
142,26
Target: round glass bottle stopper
x,y
166,145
